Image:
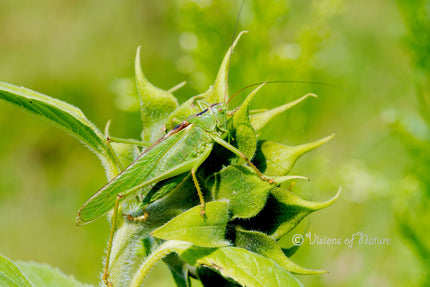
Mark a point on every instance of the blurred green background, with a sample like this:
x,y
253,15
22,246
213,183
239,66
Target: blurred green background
x,y
373,54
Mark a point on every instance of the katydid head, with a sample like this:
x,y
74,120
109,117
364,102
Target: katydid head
x,y
219,112
213,118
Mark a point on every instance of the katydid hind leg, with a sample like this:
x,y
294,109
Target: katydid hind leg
x,y
239,153
198,163
199,191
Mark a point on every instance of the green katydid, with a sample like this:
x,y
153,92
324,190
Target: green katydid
x,y
181,150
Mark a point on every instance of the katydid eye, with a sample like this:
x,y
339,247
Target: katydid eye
x,y
220,110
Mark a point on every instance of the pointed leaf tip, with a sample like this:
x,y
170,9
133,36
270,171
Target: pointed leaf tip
x,y
302,149
275,159
220,91
242,131
291,199
155,104
260,120
289,210
262,244
297,208
242,113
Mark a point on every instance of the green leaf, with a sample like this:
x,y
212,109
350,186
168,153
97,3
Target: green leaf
x,y
245,191
294,201
190,226
289,210
245,267
242,132
155,104
242,114
262,244
11,275
274,159
237,264
283,211
259,120
64,115
220,90
45,275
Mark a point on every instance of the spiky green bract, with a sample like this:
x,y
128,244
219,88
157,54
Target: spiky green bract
x,y
275,159
155,104
244,190
262,244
